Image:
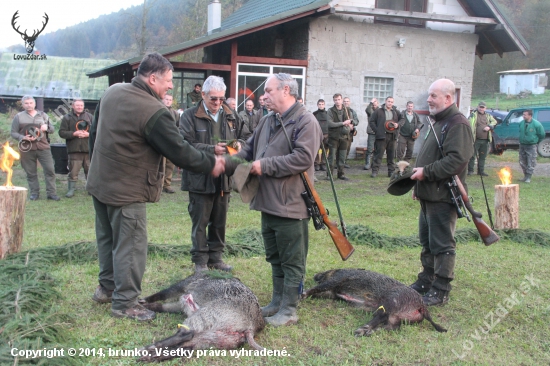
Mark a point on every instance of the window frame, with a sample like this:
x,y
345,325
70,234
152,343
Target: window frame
x,y
367,99
302,77
405,20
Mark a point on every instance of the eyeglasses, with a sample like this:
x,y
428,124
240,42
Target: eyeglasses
x,y
221,99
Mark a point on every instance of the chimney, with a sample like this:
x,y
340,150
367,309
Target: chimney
x,y
214,16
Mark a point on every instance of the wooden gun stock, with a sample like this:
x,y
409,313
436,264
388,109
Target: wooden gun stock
x,y
342,243
487,234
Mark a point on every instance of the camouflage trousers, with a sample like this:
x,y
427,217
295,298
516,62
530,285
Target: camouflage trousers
x,y
528,158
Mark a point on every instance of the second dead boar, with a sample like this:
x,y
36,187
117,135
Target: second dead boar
x,y
391,301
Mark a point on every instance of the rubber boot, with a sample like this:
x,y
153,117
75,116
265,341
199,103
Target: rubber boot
x,y
368,162
70,192
287,312
273,307
527,178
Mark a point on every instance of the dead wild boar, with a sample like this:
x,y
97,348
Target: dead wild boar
x,y
391,301
221,313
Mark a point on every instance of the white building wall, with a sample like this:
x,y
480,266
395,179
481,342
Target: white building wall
x,y
516,83
444,7
343,52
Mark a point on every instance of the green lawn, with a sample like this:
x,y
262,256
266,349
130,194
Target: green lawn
x,y
484,326
507,102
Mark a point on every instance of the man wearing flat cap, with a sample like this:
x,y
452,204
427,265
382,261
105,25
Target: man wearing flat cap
x,y
482,123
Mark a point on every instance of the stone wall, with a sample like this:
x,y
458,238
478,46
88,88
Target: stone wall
x,y
344,50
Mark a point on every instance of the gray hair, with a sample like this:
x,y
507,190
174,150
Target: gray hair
x,y
77,100
288,80
229,100
25,97
213,83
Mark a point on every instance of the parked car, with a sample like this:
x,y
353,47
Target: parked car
x,y
498,114
506,132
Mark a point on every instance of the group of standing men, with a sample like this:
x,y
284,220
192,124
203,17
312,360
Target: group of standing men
x,y
133,132
32,128
126,172
389,131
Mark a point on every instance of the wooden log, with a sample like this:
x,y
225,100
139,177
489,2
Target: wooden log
x,y
12,218
507,206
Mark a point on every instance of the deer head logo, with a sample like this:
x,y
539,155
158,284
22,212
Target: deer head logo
x,y
29,40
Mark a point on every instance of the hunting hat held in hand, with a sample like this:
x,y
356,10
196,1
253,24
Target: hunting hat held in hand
x,y
245,183
400,181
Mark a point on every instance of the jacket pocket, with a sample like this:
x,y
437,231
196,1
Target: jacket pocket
x,y
197,182
154,185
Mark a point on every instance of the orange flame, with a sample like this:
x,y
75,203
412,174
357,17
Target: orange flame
x,y
505,175
231,150
6,162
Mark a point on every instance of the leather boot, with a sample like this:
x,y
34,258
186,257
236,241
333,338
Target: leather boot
x,y
444,274
425,278
273,307
70,192
287,312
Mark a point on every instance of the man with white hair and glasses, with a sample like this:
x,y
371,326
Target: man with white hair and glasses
x,y
209,126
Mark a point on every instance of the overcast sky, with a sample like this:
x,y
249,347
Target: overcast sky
x,y
61,13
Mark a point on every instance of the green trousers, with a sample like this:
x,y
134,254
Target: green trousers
x,y
121,234
286,245
481,147
29,164
436,229
338,148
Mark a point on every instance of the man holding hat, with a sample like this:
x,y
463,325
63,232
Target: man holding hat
x,y
482,123
74,128
437,218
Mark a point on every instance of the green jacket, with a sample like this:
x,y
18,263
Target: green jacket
x,y
457,151
336,128
531,133
369,111
68,127
131,131
193,98
197,127
247,124
407,128
490,119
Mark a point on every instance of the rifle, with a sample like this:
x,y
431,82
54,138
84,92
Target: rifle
x,y
460,199
319,214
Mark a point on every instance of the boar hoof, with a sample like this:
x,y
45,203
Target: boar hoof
x,y
363,331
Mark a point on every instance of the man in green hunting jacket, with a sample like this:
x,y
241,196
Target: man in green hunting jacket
x,y
482,123
437,219
131,132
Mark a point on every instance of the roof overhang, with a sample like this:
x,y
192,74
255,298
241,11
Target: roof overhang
x,y
526,71
223,35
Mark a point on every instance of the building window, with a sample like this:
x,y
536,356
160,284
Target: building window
x,y
251,80
379,88
406,5
183,83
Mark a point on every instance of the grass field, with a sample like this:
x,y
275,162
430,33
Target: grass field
x,y
505,102
485,325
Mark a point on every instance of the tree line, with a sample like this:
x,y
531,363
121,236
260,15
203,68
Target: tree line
x,y
134,31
